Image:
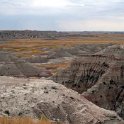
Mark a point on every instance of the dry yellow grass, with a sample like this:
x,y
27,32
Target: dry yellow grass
x,y
29,47
25,120
26,48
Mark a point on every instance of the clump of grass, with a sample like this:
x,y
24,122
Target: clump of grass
x,y
25,120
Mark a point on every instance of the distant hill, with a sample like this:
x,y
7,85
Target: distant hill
x,y
27,34
13,66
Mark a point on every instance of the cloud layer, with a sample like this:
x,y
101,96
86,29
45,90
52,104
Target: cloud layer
x,y
62,15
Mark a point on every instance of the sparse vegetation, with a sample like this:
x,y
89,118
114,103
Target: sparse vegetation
x,y
25,120
29,47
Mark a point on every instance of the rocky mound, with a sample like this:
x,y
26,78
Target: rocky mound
x,y
90,48
115,50
77,50
108,93
34,97
37,59
58,54
101,77
13,66
84,73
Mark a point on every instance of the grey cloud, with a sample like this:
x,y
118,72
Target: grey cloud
x,y
19,14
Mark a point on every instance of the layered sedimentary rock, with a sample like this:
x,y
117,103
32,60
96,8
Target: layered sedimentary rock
x,y
115,50
102,81
13,66
99,77
34,97
84,72
109,90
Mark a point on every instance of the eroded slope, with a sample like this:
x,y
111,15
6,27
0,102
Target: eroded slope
x,y
13,66
34,97
100,76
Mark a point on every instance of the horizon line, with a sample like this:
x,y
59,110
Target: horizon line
x,y
55,30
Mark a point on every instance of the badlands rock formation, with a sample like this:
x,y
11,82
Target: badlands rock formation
x,y
13,66
108,92
100,76
34,97
83,73
26,34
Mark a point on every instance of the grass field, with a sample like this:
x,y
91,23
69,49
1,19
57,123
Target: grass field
x,y
29,47
26,48
25,120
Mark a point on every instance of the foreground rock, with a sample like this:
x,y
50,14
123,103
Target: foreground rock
x,y
34,97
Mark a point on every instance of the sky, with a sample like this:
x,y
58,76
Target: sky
x,y
62,15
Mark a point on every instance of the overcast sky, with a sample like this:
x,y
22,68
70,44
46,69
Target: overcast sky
x,y
62,15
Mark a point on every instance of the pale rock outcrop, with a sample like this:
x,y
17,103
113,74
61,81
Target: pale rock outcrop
x,y
34,97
